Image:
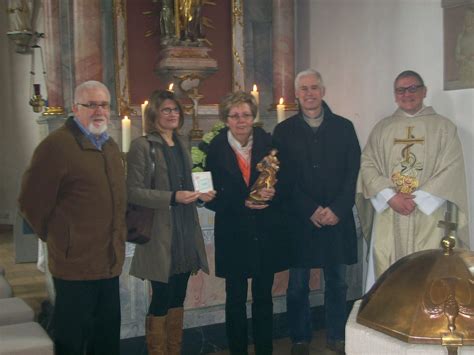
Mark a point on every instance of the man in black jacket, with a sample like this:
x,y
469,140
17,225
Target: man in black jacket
x,y
320,158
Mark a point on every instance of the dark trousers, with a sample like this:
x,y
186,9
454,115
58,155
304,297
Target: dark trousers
x,y
262,314
298,308
168,295
87,317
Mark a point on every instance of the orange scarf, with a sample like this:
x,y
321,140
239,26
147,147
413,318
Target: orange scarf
x,y
243,154
244,167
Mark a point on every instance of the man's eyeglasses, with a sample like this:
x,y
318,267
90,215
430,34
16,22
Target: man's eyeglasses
x,y
95,105
411,89
167,110
245,116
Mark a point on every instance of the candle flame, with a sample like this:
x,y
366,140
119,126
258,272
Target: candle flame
x,y
254,87
146,102
125,117
170,87
281,100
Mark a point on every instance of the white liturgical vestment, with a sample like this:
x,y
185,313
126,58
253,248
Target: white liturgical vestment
x,y
421,155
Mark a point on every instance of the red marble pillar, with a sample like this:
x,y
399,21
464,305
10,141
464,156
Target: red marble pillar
x,y
283,51
87,40
52,58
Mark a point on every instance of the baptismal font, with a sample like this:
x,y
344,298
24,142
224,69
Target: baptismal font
x,y
426,297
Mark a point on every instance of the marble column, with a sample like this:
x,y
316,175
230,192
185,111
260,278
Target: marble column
x,y
87,33
283,52
52,47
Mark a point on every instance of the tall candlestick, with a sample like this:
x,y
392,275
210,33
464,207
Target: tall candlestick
x,y
143,116
255,94
126,134
280,111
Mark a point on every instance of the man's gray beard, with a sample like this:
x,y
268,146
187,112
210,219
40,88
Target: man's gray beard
x,y
97,130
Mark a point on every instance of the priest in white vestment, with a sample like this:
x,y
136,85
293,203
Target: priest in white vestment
x,y
412,170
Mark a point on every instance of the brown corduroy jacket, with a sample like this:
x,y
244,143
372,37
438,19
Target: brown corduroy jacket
x,y
73,196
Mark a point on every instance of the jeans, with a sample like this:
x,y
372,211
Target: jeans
x,y
298,308
262,314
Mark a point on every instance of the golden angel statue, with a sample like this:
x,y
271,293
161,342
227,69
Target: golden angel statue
x,y
189,20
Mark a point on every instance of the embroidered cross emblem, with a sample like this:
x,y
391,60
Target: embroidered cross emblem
x,y
409,141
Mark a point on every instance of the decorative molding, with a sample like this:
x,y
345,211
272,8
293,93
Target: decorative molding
x,y
238,73
122,88
454,3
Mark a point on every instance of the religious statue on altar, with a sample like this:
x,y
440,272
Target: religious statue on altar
x,y
167,24
182,22
184,58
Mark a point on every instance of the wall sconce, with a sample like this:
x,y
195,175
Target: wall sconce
x,y
24,40
20,18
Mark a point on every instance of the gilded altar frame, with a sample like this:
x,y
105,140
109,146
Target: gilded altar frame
x,y
122,87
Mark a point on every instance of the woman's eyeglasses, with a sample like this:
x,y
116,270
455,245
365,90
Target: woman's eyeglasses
x,y
167,110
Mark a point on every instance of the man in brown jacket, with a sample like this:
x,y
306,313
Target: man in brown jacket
x,y
73,196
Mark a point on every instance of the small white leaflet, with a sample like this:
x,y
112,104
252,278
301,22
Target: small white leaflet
x,y
202,181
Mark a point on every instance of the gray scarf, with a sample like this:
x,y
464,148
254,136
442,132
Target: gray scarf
x,y
184,257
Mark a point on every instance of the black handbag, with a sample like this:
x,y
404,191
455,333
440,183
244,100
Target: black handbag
x,y
139,219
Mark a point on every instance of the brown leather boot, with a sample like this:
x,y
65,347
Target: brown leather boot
x,y
156,335
174,326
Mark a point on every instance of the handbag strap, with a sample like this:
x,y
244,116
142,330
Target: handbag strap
x,y
152,164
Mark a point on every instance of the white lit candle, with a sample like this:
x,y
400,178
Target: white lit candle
x,y
170,87
280,111
255,94
143,116
126,134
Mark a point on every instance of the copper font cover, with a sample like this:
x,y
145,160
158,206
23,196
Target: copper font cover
x,y
426,297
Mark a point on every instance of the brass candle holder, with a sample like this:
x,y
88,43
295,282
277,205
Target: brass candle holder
x,y
37,101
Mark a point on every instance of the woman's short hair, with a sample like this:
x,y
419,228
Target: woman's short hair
x,y
152,110
234,99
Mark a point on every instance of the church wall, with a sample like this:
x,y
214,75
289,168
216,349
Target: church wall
x,y
19,132
361,45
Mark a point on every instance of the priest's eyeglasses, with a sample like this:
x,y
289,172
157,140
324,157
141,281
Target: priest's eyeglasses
x,y
96,105
411,89
167,110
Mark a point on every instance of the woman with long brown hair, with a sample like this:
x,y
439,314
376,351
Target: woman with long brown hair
x,y
176,248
